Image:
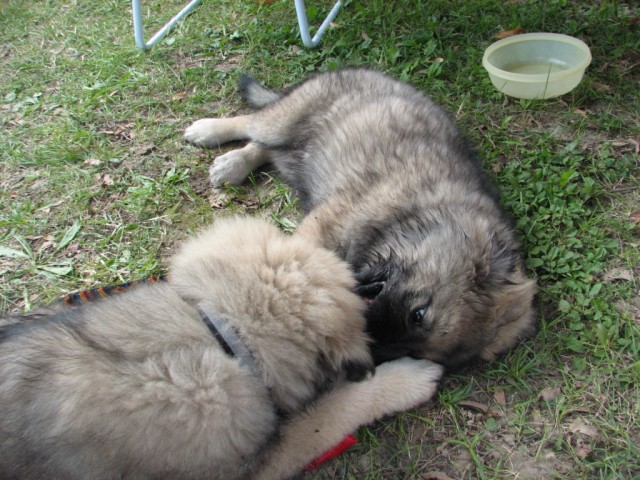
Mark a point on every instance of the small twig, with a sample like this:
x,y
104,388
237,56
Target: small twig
x,y
625,189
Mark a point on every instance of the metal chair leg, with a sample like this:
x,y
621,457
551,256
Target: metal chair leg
x,y
138,28
303,22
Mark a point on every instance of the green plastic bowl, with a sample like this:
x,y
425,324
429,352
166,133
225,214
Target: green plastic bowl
x,y
536,65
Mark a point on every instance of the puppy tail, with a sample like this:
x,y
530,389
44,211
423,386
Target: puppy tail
x,y
397,386
255,94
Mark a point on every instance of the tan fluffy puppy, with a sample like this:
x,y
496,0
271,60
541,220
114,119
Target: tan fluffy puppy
x,y
137,386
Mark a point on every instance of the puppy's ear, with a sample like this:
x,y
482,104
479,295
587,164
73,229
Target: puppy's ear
x,y
372,281
496,264
514,317
501,276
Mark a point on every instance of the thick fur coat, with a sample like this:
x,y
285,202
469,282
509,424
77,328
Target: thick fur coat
x,y
136,386
388,182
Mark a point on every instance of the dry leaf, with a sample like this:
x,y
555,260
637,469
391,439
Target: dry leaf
x,y
631,308
178,96
618,274
619,143
47,208
248,203
500,397
144,149
461,460
635,217
72,250
435,476
92,161
603,87
119,131
585,410
218,199
549,394
580,112
509,33
103,179
578,426
364,36
471,405
197,63
49,243
583,451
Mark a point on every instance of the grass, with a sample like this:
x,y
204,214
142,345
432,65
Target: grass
x,y
97,187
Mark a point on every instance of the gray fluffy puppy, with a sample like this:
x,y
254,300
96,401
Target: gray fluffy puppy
x,y
387,182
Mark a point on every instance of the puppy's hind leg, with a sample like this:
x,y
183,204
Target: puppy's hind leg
x,y
213,132
396,386
235,166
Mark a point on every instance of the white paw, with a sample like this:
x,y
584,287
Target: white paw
x,y
408,382
202,133
410,368
211,132
229,168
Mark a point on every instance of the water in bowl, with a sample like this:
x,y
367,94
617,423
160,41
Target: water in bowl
x,y
535,68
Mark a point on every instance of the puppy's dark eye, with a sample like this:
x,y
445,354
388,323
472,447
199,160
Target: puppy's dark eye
x,y
417,316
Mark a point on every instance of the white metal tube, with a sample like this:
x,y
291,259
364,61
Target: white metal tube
x,y
303,23
138,24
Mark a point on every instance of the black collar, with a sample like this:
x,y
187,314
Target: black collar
x,y
216,333
227,337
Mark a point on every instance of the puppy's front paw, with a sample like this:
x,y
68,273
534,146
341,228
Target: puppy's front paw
x,y
407,382
229,168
